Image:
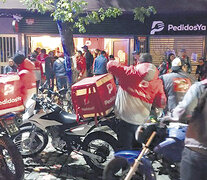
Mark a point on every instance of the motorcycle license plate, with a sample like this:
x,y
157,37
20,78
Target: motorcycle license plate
x,y
10,126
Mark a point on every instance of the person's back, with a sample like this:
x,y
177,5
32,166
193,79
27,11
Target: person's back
x,y
60,73
176,84
89,60
27,76
192,109
49,71
49,65
139,88
59,67
100,64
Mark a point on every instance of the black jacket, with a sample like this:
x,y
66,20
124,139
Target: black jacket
x,y
89,60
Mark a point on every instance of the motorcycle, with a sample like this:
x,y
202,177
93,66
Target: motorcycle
x,y
165,149
44,118
11,162
62,97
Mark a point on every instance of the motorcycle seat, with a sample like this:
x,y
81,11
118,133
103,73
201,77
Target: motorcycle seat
x,y
67,118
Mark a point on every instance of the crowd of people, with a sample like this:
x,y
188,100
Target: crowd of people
x,y
52,66
201,68
141,87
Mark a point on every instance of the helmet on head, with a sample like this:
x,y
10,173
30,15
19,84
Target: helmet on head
x,y
176,64
19,58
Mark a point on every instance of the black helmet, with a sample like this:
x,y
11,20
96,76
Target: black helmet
x,y
19,58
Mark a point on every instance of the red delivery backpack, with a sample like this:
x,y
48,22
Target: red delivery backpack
x,y
10,94
94,96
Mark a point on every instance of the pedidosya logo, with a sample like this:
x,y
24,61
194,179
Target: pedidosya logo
x,y
9,101
157,26
187,27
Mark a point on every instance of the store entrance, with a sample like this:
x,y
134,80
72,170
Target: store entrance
x,y
50,43
119,47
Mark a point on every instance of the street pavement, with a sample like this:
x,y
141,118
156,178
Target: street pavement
x,y
52,165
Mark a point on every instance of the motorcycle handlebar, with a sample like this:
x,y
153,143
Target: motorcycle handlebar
x,y
46,103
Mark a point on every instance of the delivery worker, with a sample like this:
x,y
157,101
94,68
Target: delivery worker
x,y
176,84
139,88
192,109
27,76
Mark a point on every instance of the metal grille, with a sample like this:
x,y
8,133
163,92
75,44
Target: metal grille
x,y
7,48
160,44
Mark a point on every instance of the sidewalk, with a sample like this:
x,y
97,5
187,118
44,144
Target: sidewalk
x,y
52,165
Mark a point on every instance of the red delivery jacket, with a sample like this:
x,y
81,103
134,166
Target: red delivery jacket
x,y
28,80
140,87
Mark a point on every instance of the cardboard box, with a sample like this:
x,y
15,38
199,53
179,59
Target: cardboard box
x,y
10,94
94,96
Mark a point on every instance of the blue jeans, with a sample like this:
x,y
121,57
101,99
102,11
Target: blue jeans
x,y
193,165
62,82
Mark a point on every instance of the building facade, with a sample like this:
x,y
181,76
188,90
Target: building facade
x,y
171,29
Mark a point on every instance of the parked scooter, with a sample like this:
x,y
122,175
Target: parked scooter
x,y
11,163
165,148
44,118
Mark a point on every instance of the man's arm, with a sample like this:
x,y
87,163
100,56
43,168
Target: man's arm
x,y
160,98
123,72
5,70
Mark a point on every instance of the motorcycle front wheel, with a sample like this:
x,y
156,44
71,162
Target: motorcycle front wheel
x,y
30,142
11,163
102,144
118,168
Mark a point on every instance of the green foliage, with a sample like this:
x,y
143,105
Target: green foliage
x,y
140,13
75,12
97,16
40,5
72,12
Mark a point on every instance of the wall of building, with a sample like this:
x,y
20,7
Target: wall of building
x,y
6,26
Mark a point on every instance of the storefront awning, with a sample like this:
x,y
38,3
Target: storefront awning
x,y
159,24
